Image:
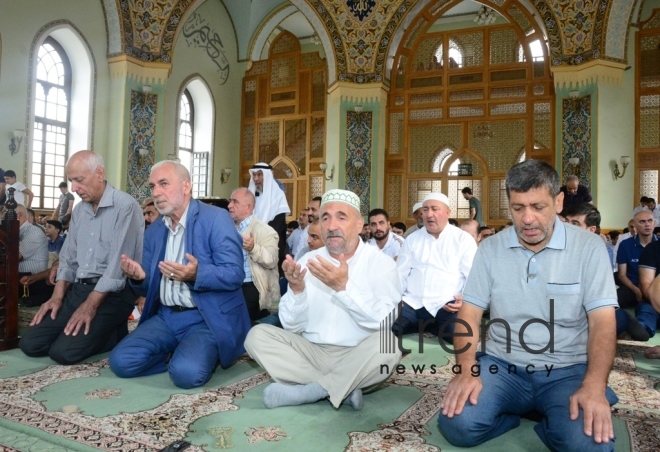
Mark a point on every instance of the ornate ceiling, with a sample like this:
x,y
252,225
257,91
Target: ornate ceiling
x,y
362,33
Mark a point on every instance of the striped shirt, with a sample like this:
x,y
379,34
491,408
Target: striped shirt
x,y
246,260
96,240
33,246
175,293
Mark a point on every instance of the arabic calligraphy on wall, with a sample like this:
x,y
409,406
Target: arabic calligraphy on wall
x,y
200,35
361,8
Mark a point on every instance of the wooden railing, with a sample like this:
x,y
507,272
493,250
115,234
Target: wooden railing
x,y
9,275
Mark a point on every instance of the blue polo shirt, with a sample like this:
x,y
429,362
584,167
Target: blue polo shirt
x,y
56,246
629,253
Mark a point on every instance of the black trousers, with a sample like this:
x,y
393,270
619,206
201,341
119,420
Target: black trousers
x,y
251,295
39,292
626,297
108,327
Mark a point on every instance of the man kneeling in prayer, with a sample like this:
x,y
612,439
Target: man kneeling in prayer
x,y
338,295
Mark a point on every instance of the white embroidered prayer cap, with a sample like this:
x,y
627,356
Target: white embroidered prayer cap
x,y
418,206
437,197
338,195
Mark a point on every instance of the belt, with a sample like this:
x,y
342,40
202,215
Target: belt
x,y
88,281
180,308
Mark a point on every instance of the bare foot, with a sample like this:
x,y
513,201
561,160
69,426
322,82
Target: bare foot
x,y
653,352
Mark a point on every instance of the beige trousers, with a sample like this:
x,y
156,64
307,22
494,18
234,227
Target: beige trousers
x,y
291,359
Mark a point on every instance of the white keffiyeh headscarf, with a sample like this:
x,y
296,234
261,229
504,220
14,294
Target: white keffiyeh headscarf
x,y
272,200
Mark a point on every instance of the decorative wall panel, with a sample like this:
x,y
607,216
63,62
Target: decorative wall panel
x,y
471,48
269,141
248,143
358,149
428,113
504,46
518,108
428,98
425,56
576,136
498,205
295,143
509,91
499,143
394,196
318,138
283,72
317,187
648,183
141,135
427,141
542,125
396,133
649,121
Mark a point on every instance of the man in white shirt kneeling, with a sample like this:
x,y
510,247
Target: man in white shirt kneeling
x,y
331,315
433,266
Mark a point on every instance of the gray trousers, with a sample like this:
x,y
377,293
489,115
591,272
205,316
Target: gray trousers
x,y
291,359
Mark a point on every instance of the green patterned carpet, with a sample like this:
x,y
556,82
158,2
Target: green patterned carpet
x,y
148,413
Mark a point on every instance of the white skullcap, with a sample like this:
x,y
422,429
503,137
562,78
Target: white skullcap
x,y
417,206
437,197
345,196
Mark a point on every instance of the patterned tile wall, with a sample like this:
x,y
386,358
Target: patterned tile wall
x,y
359,128
141,135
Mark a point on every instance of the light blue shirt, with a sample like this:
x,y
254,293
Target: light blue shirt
x,y
175,293
246,259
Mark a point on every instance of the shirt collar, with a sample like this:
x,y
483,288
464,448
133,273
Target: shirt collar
x,y
244,224
182,222
638,243
557,240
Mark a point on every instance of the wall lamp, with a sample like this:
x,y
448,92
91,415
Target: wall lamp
x,y
625,161
358,164
146,89
324,166
16,140
224,176
141,154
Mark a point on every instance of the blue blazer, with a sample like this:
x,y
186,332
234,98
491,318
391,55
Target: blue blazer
x,y
214,241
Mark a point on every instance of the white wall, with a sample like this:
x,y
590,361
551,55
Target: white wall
x,y
20,22
189,60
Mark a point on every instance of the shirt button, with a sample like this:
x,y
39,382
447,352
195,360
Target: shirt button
x,y
533,260
90,249
531,276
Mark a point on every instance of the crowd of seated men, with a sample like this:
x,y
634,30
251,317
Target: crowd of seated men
x,y
211,282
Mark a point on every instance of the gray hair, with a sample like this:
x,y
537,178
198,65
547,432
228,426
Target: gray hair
x,y
572,178
91,160
21,208
179,169
530,174
247,193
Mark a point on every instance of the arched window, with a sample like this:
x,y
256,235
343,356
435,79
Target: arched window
x,y
455,55
186,130
196,125
51,123
441,158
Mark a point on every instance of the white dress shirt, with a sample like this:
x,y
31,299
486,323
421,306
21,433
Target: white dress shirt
x,y
302,241
175,293
345,318
391,247
433,270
